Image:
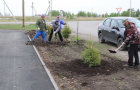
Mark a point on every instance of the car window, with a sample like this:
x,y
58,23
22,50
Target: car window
x,y
107,22
137,23
113,24
121,24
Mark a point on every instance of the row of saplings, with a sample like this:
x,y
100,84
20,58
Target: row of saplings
x,y
90,55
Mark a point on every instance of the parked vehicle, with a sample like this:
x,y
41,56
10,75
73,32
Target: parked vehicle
x,y
112,30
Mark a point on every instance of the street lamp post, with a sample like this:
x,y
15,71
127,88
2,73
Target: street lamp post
x,y
130,8
23,12
32,9
4,8
51,8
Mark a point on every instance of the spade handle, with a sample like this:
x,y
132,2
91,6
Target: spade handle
x,y
119,47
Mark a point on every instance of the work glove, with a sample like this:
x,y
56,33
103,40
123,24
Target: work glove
x,y
51,24
54,33
123,43
38,28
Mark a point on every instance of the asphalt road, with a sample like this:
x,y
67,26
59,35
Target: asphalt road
x,y
20,67
85,27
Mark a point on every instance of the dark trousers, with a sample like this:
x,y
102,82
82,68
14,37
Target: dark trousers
x,y
56,33
133,52
59,34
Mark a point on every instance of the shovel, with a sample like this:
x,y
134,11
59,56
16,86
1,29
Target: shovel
x,y
55,37
115,51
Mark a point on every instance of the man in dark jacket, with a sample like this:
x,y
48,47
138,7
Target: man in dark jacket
x,y
55,29
61,23
41,27
131,36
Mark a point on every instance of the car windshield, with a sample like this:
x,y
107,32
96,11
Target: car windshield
x,y
137,23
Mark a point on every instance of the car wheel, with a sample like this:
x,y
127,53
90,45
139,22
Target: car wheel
x,y
120,41
101,40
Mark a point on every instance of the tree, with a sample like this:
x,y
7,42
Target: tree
x,y
126,13
113,15
91,55
69,15
137,13
94,15
55,13
81,14
89,14
106,15
66,31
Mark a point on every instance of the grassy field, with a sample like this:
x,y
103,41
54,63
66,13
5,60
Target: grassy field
x,y
17,27
48,19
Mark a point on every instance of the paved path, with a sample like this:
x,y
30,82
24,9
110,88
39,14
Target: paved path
x,y
20,68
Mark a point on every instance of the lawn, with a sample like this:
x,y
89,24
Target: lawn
x,y
17,27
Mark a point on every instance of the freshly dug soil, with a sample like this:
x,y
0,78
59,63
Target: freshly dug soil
x,y
70,73
77,67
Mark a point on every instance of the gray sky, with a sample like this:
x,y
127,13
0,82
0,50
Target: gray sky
x,y
98,6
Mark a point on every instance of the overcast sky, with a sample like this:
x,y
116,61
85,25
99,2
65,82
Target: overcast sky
x,y
98,6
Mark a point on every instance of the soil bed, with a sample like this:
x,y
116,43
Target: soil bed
x,y
66,65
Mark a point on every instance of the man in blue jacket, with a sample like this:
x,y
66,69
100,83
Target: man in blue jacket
x,y
61,22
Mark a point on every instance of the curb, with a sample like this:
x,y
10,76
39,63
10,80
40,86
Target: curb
x,y
46,69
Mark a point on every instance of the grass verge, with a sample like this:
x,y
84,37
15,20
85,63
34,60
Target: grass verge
x,y
17,27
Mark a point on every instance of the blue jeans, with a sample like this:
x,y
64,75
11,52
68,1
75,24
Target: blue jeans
x,y
38,33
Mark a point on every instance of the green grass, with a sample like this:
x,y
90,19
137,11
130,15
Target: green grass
x,y
17,27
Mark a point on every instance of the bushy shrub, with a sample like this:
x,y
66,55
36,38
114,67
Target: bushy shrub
x,y
91,55
49,29
66,32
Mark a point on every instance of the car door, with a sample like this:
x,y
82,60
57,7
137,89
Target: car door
x,y
106,29
114,31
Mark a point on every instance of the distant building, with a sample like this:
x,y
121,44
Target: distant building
x,y
61,13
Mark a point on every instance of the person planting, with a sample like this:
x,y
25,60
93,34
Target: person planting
x,y
131,36
61,23
55,29
41,27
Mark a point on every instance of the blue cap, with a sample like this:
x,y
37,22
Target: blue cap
x,y
57,16
42,15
